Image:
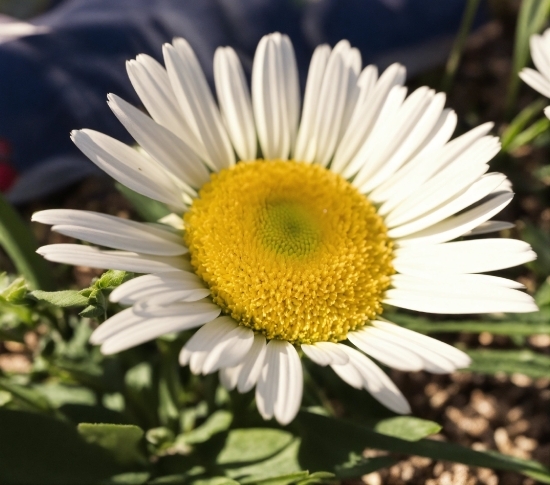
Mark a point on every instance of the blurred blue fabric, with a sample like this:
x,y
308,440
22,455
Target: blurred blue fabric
x,y
57,81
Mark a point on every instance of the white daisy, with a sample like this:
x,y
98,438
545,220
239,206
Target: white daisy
x,y
540,52
346,205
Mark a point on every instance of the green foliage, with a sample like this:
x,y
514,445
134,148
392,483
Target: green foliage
x,y
19,243
341,439
41,450
532,17
407,427
122,441
94,298
491,361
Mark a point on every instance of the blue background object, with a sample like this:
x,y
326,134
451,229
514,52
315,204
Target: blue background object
x,y
54,82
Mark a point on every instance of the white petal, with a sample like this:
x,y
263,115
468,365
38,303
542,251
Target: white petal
x,y
196,101
331,104
470,222
113,232
536,80
414,174
381,134
385,351
245,375
416,122
456,357
430,359
372,99
130,327
472,256
305,144
169,151
228,377
445,184
539,53
456,294
158,285
470,196
430,281
274,96
279,389
325,353
128,167
252,365
79,255
220,343
490,226
150,80
375,381
235,102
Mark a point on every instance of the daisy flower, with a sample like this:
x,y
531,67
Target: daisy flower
x,y
540,52
298,222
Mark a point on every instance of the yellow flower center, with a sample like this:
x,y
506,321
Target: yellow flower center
x,y
290,250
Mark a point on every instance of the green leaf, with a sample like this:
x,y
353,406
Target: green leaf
x,y
151,210
92,311
218,422
28,397
130,478
215,481
19,242
61,394
65,298
328,442
283,463
112,279
121,440
38,450
491,361
407,427
253,444
16,292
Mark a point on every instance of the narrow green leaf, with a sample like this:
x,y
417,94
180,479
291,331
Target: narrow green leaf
x,y
123,441
151,210
518,124
529,134
543,294
363,466
18,241
65,298
506,327
491,361
459,43
328,442
531,19
407,427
